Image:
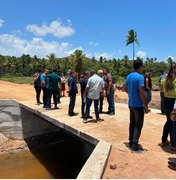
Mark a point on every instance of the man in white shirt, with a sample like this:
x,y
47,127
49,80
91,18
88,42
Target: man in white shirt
x,y
95,85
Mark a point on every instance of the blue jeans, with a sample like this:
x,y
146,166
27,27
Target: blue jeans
x,y
45,97
110,98
72,104
88,105
148,95
136,123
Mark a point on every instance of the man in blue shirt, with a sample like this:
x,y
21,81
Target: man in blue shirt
x,y
72,91
137,104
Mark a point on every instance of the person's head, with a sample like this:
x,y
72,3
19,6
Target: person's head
x,y
46,71
148,74
170,78
100,72
105,71
92,73
138,65
73,73
86,74
55,70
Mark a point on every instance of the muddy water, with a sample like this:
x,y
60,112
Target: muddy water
x,y
55,155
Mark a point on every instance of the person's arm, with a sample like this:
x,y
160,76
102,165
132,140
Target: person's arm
x,y
110,84
143,98
125,88
173,113
147,83
36,76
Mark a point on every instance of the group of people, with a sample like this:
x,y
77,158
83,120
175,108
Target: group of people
x,y
138,88
167,84
94,86
52,84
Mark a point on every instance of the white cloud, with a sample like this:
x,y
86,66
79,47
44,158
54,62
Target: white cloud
x,y
141,54
16,46
1,23
56,28
104,55
93,43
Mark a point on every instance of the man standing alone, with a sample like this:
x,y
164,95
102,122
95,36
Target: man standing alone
x,y
137,104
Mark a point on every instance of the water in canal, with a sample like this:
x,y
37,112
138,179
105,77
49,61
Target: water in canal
x,y
54,155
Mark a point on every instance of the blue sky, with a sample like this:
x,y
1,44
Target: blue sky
x,y
97,27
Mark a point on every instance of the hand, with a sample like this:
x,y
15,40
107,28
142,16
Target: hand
x,y
172,117
147,110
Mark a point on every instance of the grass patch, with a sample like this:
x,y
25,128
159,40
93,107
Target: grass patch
x,y
17,79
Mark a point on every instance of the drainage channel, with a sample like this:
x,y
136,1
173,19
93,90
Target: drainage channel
x,y
55,150
54,155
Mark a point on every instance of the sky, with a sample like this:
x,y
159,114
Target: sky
x,y
97,27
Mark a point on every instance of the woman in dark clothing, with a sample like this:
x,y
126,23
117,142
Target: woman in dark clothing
x,y
37,86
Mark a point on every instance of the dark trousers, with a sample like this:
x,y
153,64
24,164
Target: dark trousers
x,y
162,102
52,92
174,133
38,91
136,123
72,104
83,104
45,96
167,129
58,95
88,105
101,103
110,98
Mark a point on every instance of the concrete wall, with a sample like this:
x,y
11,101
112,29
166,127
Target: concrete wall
x,y
19,123
10,119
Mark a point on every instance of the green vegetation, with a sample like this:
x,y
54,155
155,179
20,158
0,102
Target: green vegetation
x,y
17,79
21,69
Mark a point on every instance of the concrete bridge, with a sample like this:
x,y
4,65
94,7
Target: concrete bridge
x,y
112,131
22,121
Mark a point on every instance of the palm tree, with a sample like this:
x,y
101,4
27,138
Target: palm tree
x,y
131,39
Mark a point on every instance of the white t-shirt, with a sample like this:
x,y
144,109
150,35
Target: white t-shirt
x,y
95,85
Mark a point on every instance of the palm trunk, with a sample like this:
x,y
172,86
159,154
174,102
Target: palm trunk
x,y
133,51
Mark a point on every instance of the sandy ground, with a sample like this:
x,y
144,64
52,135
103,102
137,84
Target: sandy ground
x,y
122,162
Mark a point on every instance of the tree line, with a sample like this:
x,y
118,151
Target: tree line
x,y
26,65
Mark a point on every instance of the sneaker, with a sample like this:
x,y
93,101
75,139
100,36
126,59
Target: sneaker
x,y
47,108
84,120
74,114
112,113
56,107
89,117
171,163
137,147
130,144
107,112
173,148
164,144
99,119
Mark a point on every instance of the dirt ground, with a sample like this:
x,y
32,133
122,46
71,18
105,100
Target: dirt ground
x,y
122,163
